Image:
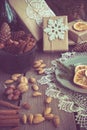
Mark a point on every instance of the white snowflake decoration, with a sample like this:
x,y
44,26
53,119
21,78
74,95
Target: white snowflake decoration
x,y
56,29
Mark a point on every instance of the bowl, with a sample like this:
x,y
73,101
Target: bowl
x,y
20,63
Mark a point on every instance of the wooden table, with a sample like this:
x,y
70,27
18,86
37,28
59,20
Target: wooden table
x,y
67,120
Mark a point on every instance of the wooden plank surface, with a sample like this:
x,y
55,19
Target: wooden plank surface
x,y
38,105
67,120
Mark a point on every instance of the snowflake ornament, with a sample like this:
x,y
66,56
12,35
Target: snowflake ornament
x,y
56,29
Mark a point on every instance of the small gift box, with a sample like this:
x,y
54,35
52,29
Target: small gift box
x,y
55,33
31,13
75,32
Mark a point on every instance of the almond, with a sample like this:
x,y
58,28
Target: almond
x,y
24,118
15,76
38,119
23,79
41,61
47,110
41,71
30,118
48,100
9,81
49,116
35,87
36,94
26,106
38,114
42,65
32,80
36,65
56,121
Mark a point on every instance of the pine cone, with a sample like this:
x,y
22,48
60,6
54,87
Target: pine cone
x,y
5,32
11,46
18,35
80,47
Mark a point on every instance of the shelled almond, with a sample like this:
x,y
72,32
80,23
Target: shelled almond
x,y
32,80
15,86
36,94
47,110
56,121
24,118
38,119
30,118
39,66
35,87
48,100
26,106
49,116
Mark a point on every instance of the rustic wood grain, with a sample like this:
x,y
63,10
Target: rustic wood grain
x,y
38,105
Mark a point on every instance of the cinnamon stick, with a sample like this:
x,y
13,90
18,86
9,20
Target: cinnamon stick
x,y
16,128
2,117
9,105
8,112
10,122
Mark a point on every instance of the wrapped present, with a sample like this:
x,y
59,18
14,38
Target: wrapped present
x,y
31,12
55,33
78,31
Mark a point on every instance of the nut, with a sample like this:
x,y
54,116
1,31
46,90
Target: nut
x,y
10,97
41,61
42,65
36,65
49,116
48,100
15,76
9,91
23,87
35,87
30,118
35,94
56,121
26,106
32,80
38,119
47,110
38,114
16,92
9,81
24,118
12,86
23,79
15,97
41,71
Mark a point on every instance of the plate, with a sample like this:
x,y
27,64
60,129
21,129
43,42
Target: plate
x,y
77,60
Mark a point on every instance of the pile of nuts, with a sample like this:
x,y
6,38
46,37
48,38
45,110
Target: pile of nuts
x,y
15,86
41,117
39,66
18,84
17,42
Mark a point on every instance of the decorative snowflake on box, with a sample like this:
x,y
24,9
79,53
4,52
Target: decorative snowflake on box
x,y
56,29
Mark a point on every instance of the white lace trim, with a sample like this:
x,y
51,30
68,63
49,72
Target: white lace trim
x,y
37,9
68,100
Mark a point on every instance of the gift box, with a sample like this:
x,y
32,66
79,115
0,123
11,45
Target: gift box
x,y
55,33
31,12
77,36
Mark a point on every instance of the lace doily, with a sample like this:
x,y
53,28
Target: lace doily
x,y
68,100
37,9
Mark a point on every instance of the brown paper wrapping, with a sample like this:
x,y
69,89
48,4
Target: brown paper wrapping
x,y
20,7
76,36
57,44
